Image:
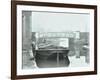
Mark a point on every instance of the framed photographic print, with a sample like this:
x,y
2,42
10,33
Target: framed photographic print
x,y
52,39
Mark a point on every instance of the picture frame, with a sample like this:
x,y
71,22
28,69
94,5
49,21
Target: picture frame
x,y
49,19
